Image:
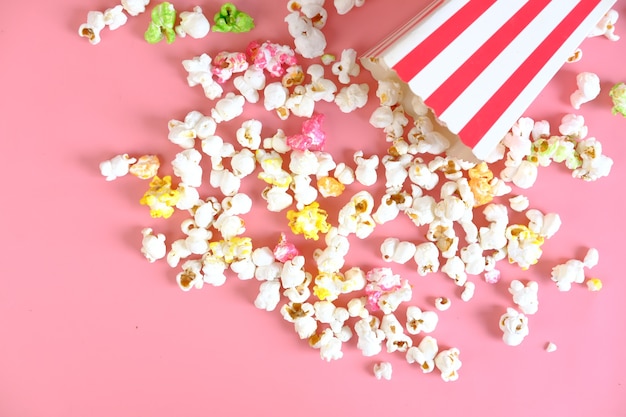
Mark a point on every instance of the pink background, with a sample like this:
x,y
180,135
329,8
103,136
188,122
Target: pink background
x,y
90,328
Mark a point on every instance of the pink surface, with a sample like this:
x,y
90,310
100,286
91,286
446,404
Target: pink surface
x,y
90,328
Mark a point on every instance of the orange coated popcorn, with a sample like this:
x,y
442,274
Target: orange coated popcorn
x,y
330,187
480,178
146,167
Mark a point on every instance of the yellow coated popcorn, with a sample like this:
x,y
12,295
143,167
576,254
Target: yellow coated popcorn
x,y
480,178
237,248
161,198
309,221
146,167
594,284
330,187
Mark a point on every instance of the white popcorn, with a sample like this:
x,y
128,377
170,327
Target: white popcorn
x,y
591,258
199,73
382,370
391,300
522,174
448,362
525,296
329,346
191,275
344,6
277,142
519,203
394,250
152,245
300,293
544,225
347,66
301,315
468,291
442,303
206,211
303,192
187,167
455,269
427,258
370,336
594,164
397,340
424,354
518,139
514,326
303,162
325,163
135,7
193,23
293,273
355,217
606,26
387,210
421,174
227,182
573,125
277,198
396,171
244,268
189,197
352,97
238,204
418,321
228,107
183,133
116,167
568,273
344,174
357,307
197,240
550,347
263,256
300,103
309,40
250,83
114,17
320,88
214,268
249,134
365,172
588,85
178,251
243,163
274,98
229,225
269,295
92,28
472,255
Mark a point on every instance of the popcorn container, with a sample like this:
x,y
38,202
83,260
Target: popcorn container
x,y
476,65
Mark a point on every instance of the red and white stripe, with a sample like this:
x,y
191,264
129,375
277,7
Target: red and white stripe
x,y
479,64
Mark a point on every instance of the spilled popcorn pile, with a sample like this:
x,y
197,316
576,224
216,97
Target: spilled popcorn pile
x,y
328,302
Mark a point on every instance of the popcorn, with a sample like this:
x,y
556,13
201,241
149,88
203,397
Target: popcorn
x,y
200,72
250,83
312,137
424,354
573,126
355,217
606,26
193,23
309,40
347,66
352,97
468,291
519,203
365,172
249,134
230,19
588,85
492,276
370,336
386,290
328,344
294,76
269,295
427,258
227,182
591,258
160,197
152,245
442,303
320,88
418,321
162,24
146,167
293,273
228,107
271,57
448,362
396,339
525,296
568,273
393,250
594,284
135,7
344,6
275,97
618,97
277,198
455,269
594,164
300,103
114,17
92,28
344,174
187,167
301,315
514,326
191,275
308,221
116,167
383,370
226,63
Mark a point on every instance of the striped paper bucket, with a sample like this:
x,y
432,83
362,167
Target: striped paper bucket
x,y
479,64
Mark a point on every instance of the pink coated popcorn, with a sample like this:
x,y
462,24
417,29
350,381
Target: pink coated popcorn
x,y
225,64
380,282
492,276
312,137
285,251
272,57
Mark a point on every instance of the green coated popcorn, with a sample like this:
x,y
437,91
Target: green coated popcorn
x,y
618,95
229,19
162,24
